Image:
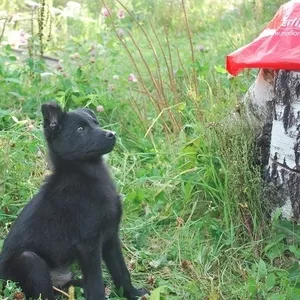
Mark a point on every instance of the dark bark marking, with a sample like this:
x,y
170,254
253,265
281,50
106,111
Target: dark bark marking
x,y
294,192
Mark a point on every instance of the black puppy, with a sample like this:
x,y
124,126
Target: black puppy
x,y
74,217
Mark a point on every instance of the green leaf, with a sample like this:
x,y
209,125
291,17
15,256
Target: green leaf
x,y
109,20
14,80
79,72
262,269
289,229
281,273
188,188
294,294
4,113
94,99
275,241
270,281
181,106
295,250
276,296
275,251
8,47
294,272
77,100
131,196
277,214
111,44
284,282
15,94
100,39
12,58
155,295
251,284
179,73
220,69
15,119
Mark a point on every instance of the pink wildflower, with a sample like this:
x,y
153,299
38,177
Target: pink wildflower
x,y
105,12
132,78
121,13
121,32
18,38
100,108
200,48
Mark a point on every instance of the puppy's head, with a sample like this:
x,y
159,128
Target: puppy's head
x,y
75,135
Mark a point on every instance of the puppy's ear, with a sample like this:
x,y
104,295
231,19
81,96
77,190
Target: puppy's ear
x,y
90,112
52,114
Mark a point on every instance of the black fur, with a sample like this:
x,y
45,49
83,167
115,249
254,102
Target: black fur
x,y
74,217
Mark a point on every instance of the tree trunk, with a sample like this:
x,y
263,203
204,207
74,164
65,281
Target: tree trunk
x,y
272,109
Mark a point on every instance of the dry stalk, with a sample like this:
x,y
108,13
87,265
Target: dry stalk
x,y
160,90
60,291
164,98
152,99
4,26
173,81
170,73
181,63
145,34
191,45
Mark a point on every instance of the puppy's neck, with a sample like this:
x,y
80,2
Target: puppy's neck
x,y
92,168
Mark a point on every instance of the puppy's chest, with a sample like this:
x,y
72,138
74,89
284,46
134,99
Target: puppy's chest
x,y
101,212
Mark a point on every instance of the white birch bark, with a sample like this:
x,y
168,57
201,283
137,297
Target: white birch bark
x,y
272,107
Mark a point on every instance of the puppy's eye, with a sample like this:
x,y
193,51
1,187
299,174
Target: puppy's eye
x,y
80,128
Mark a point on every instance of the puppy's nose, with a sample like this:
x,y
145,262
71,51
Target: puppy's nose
x,y
110,134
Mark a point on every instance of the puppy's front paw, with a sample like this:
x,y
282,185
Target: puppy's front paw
x,y
137,293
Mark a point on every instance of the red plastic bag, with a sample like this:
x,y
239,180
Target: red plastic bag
x,y
277,47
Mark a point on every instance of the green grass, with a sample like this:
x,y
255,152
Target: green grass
x,y
194,221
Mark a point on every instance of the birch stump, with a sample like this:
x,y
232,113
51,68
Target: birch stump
x,y
272,109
